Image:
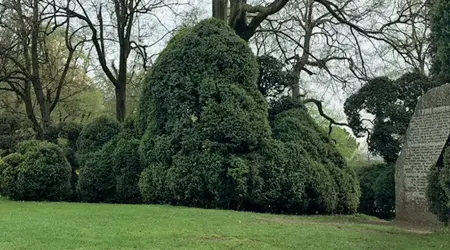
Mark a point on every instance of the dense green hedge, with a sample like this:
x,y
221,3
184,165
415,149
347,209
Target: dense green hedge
x,y
208,139
110,170
439,188
377,184
127,169
39,171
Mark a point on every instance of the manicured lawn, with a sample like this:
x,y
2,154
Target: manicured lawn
x,y
30,225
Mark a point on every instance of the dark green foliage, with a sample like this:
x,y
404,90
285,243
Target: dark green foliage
x,y
95,145
8,174
129,126
273,80
39,173
112,173
377,184
392,104
127,169
71,131
95,135
296,126
440,40
439,188
11,133
96,181
207,137
27,146
208,115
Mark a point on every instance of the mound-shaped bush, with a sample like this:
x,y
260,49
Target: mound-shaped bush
x,y
39,173
294,125
127,169
96,181
112,173
96,144
202,111
95,135
207,137
70,132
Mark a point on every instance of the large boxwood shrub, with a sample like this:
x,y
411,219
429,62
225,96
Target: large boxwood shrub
x,y
207,139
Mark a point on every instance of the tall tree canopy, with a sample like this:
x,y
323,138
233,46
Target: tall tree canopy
x,y
383,108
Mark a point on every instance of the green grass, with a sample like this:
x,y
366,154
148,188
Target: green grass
x,y
33,225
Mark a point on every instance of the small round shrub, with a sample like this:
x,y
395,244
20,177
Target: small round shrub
x,y
348,190
95,135
377,183
41,173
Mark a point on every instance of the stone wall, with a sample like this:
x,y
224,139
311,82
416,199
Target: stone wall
x,y
426,137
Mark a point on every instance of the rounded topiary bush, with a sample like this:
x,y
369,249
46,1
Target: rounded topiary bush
x,y
40,173
95,135
201,111
112,173
70,131
96,181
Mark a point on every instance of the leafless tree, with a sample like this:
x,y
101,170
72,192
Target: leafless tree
x,y
25,30
343,43
119,28
245,17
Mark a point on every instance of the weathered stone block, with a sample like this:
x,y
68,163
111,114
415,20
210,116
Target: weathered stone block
x,y
427,134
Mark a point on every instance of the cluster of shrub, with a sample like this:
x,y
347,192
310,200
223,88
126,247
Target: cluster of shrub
x,y
204,136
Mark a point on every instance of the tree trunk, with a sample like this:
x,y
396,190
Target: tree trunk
x,y
220,9
35,77
31,116
295,84
121,102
